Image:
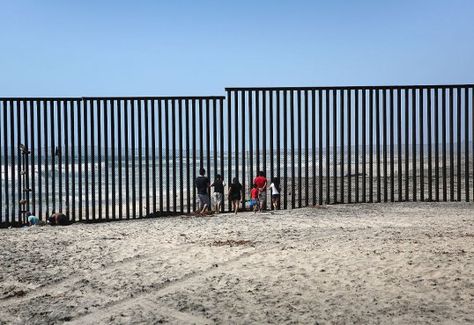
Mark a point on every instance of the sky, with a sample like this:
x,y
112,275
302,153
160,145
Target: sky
x,y
185,47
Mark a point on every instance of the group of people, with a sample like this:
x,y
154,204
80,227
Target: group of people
x,y
258,193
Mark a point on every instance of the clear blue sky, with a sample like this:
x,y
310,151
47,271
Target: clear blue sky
x,y
85,47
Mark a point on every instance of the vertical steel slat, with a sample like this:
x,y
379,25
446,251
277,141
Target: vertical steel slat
x,y
341,130
99,154
328,151
45,166
392,143
264,131
32,159
349,145
292,142
371,146
451,144
6,213
59,152
215,135
126,132
407,145
399,144
160,153
188,167
300,147
364,145
429,127
472,133
422,164
120,135
79,112
208,141
458,151
140,156
306,120
285,145
377,141
466,143
313,142
105,131
147,129
436,134
278,139
236,132
201,134
229,143
221,126
38,137
12,162
243,108
52,152
2,214
67,136
173,143
25,172
357,144
251,142
193,133
414,142
92,158
16,149
181,166
112,127
167,156
320,123
384,145
86,157
334,142
271,135
444,126
257,129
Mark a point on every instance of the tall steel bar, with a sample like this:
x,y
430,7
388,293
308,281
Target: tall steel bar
x,y
134,154
215,135
113,158
251,137
349,146
257,129
32,159
38,142
140,157
264,132
364,145
384,144
126,128
221,127
188,152
99,154
229,144
328,151
167,155
121,137
105,132
300,148
208,139
341,130
407,145
334,142
244,135
320,123
12,161
26,171
371,146
271,137
173,153
180,153
392,145
79,112
429,122
458,142
444,136
285,149
92,166
422,143
466,143
451,144
399,144
148,127
86,110
6,213
414,140
160,153
357,144
436,134
52,152
292,142
193,135
236,133
278,140
377,143
313,142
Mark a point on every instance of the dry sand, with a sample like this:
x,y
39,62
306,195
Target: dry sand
x,y
368,263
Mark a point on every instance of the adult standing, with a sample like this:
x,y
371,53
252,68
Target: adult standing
x,y
261,182
202,185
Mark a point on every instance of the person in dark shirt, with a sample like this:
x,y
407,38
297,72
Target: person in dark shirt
x,y
202,185
235,194
218,195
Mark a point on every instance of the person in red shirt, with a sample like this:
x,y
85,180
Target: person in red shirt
x,y
254,198
261,182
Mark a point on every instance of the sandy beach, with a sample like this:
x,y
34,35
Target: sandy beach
x,y
401,263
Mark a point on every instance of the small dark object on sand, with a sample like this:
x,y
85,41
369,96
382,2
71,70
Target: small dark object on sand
x,y
58,219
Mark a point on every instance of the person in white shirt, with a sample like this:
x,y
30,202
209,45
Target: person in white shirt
x,y
275,188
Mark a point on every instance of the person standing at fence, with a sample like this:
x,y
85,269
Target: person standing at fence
x,y
218,194
275,189
261,183
202,185
235,194
254,198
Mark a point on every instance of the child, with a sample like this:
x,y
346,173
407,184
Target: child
x,y
218,195
275,188
254,198
235,190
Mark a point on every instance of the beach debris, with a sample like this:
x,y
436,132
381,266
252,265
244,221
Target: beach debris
x,y
231,243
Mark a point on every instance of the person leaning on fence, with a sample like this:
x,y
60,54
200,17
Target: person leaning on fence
x,y
254,198
218,194
261,183
202,185
235,194
275,189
